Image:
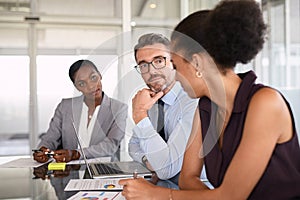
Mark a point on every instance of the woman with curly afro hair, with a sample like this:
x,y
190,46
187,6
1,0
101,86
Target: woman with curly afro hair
x,y
243,132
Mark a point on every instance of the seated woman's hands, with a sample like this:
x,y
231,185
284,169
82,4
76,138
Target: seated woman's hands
x,y
65,155
41,155
62,155
140,188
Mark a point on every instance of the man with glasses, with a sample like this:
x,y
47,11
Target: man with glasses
x,y
163,113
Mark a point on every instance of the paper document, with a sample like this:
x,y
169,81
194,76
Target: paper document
x,y
93,184
22,163
97,195
92,160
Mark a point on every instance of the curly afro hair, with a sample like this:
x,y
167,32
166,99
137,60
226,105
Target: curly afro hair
x,y
235,32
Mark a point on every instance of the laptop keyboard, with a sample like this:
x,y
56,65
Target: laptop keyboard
x,y
110,168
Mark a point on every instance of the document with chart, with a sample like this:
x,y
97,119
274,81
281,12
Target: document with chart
x,y
97,195
93,184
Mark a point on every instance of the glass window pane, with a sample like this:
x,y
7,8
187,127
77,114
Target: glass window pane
x,y
195,5
53,84
294,55
75,39
82,8
14,104
13,37
280,66
14,86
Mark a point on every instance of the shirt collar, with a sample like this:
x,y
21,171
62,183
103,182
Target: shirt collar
x,y
171,96
244,93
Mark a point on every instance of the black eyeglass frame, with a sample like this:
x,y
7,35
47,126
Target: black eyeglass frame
x,y
138,69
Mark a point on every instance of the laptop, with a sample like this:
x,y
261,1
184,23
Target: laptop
x,y
113,169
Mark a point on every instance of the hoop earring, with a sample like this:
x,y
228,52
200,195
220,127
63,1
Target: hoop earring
x,y
199,74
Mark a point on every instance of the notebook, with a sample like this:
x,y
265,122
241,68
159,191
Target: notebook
x,y
113,169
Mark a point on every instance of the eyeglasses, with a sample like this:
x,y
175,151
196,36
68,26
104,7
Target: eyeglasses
x,y
144,67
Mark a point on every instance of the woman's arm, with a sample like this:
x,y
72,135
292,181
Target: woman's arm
x,y
193,159
268,122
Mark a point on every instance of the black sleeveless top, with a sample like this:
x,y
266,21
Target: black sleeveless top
x,y
281,179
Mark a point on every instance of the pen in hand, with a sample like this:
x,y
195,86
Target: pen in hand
x,y
48,153
36,150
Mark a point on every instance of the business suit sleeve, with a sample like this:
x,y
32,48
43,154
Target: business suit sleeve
x,y
110,131
52,139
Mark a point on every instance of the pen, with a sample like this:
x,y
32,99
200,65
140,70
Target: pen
x,y
48,153
135,174
36,150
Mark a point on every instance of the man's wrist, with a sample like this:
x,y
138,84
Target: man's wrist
x,y
138,116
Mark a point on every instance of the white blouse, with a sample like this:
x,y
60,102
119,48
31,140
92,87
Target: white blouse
x,y
85,130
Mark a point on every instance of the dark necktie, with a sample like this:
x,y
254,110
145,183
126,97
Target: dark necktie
x,y
160,119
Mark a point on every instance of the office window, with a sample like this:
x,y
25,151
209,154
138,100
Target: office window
x,y
14,103
280,57
14,96
53,84
195,5
82,8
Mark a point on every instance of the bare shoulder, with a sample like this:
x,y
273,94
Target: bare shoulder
x,y
268,106
267,98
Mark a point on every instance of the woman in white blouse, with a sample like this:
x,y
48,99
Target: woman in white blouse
x,y
99,120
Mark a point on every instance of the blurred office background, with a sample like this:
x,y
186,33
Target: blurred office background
x,y
40,39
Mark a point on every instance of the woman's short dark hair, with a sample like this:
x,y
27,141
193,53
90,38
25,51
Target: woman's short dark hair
x,y
150,39
76,66
233,32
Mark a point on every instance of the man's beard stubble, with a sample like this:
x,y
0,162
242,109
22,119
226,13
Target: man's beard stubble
x,y
157,87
